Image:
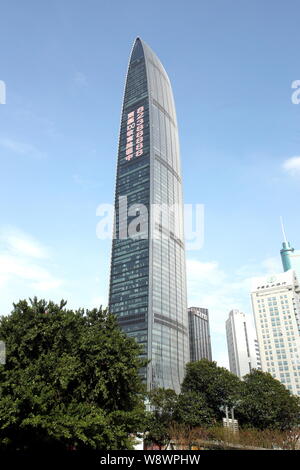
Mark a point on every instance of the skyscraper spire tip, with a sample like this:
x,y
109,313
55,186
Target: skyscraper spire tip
x,y
283,230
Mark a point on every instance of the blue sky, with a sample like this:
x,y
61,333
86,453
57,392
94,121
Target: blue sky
x,y
231,63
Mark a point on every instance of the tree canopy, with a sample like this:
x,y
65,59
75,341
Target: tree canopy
x,y
192,410
167,408
70,379
217,385
267,403
162,404
259,399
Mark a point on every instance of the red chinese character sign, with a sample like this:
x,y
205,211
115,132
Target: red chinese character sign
x,y
135,133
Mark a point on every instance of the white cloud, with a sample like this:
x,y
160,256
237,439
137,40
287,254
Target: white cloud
x,y
204,271
24,267
272,265
85,182
97,301
292,166
14,266
22,244
21,148
47,284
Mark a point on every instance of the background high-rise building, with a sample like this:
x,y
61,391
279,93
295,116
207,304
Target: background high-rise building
x,y
242,345
148,274
276,308
199,334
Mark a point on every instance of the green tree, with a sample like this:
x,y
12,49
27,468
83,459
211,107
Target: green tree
x,y
192,410
162,403
167,408
217,385
70,379
266,403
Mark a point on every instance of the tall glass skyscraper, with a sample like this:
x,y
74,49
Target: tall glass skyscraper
x,y
148,274
200,344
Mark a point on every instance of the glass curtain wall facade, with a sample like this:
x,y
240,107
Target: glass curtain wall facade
x,y
200,344
148,274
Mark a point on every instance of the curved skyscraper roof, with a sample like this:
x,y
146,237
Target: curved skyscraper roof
x,y
148,274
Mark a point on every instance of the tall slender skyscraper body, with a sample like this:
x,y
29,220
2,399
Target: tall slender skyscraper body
x,y
148,274
200,344
243,351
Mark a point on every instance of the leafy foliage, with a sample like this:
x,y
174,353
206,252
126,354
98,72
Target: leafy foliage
x,y
163,403
71,378
167,409
260,401
217,385
192,410
266,403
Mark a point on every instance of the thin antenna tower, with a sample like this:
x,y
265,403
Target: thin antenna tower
x,y
283,231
